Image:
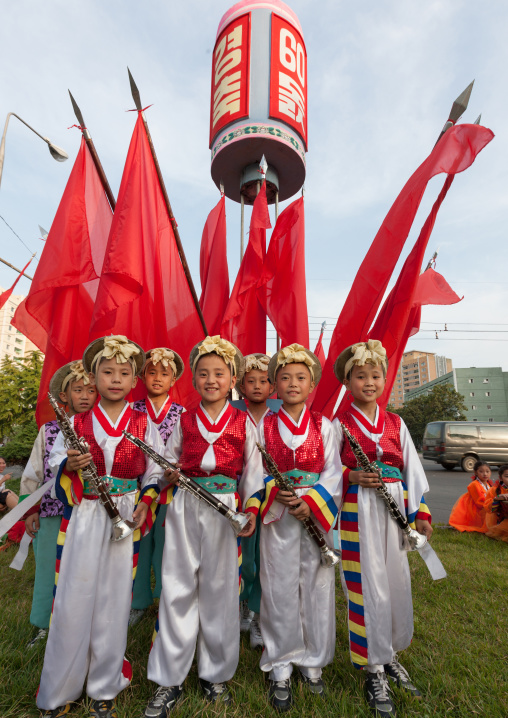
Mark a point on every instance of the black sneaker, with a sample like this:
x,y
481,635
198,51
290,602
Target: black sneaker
x,y
315,685
216,692
163,702
400,677
103,709
57,712
378,691
279,695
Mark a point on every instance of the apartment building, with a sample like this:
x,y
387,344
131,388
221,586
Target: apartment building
x,y
12,342
417,368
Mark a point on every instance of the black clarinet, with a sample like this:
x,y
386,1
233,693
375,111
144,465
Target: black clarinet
x,y
237,520
329,557
415,539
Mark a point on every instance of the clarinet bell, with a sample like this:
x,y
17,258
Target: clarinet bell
x,y
238,522
122,528
330,557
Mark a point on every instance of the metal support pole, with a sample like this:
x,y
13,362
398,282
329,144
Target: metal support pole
x,y
276,218
242,225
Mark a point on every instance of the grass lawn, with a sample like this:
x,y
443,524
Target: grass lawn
x,y
458,659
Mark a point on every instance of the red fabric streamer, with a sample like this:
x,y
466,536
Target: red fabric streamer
x,y
57,312
213,268
320,353
282,286
143,292
5,295
244,321
454,153
432,288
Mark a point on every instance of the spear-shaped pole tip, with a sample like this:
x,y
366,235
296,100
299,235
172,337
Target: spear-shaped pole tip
x,y
323,326
44,233
478,119
135,92
77,111
263,166
461,103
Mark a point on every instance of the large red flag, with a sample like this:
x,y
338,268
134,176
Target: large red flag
x,y
213,268
454,153
143,291
57,312
5,295
282,287
320,353
244,321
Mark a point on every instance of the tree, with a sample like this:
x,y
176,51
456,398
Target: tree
x,y
443,403
19,385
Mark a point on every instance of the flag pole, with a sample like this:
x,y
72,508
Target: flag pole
x,y
137,101
19,271
458,109
93,153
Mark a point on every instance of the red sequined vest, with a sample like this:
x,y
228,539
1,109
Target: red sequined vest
x,y
129,462
390,442
310,456
228,448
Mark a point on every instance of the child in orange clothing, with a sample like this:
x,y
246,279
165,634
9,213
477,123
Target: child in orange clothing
x,y
468,514
496,507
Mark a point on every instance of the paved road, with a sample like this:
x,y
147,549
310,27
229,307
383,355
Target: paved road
x,y
445,489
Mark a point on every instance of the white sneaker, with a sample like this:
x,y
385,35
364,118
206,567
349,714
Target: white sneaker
x,y
246,616
256,639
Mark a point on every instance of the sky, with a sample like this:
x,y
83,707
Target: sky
x,y
382,78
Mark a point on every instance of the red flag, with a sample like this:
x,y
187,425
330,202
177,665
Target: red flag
x,y
282,287
213,268
454,153
433,288
57,312
320,353
5,295
143,292
244,321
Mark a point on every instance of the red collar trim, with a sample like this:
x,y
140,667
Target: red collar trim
x,y
251,418
103,421
374,429
163,412
290,424
219,426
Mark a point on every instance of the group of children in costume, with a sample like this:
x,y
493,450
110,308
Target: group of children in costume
x,y
289,595
484,506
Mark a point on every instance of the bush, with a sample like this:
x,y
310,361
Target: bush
x,y
19,448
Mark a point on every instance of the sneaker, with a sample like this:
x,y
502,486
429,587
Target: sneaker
x,y
135,615
41,633
279,695
315,685
57,712
400,677
246,616
256,639
378,692
163,702
216,692
103,709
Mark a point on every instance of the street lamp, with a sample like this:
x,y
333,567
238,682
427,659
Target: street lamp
x,y
56,152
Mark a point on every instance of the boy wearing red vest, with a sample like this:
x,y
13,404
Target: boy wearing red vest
x,y
163,367
376,575
88,632
297,613
214,444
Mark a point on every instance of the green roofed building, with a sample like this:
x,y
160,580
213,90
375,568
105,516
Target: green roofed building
x,y
485,391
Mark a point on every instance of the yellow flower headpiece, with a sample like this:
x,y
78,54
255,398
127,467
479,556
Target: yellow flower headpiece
x,y
118,347
76,373
165,356
295,354
371,352
221,347
256,362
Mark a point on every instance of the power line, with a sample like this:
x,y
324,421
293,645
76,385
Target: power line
x,y
16,234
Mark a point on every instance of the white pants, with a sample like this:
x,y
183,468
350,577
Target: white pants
x,y
88,632
199,601
386,581
297,615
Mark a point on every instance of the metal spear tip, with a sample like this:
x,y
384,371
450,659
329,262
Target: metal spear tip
x,y
135,92
44,233
263,166
478,119
77,111
461,103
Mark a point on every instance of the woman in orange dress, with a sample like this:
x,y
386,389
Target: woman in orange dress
x,y
496,507
468,514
